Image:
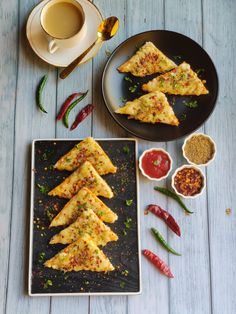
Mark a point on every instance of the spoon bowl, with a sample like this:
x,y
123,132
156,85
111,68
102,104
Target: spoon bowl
x,y
106,30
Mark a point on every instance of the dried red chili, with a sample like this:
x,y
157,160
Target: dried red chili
x,y
82,115
66,104
160,264
166,217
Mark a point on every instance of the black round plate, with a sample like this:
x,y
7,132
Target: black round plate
x,y
116,89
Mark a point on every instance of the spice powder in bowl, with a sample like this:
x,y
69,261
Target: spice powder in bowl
x,y
199,149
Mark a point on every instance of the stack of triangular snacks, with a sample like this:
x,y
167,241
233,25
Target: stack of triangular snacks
x,y
176,80
85,213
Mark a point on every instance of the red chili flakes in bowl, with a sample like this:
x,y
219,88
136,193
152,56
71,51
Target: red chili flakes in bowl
x,y
188,181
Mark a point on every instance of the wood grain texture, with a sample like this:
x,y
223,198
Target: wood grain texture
x,y
192,269
8,81
29,123
205,275
149,15
218,32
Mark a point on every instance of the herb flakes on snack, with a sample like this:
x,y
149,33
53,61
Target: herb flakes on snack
x,y
41,258
174,196
191,104
129,202
122,284
39,93
126,149
183,117
44,189
47,284
128,79
163,242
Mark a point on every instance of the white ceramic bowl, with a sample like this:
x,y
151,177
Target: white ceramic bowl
x,y
141,168
197,134
193,167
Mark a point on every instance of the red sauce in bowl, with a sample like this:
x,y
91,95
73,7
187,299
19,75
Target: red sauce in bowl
x,y
156,163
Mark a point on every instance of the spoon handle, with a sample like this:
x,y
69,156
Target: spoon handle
x,y
76,62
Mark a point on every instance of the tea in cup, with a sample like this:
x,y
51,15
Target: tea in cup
x,y
63,22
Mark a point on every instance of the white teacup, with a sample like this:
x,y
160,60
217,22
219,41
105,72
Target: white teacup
x,y
63,22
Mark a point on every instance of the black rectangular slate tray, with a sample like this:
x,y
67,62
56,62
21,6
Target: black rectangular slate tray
x,y
124,254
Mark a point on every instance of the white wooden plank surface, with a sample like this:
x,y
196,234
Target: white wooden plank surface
x,y
8,78
205,275
192,269
148,16
29,123
219,41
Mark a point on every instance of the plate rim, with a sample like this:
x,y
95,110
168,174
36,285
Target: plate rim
x,y
112,113
32,216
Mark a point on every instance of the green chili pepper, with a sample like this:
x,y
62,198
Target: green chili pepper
x,y
174,196
163,242
74,103
39,93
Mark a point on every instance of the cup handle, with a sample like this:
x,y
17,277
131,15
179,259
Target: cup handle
x,y
52,46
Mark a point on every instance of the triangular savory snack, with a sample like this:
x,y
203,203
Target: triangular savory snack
x,y
180,81
83,254
150,108
147,60
86,223
83,199
86,176
90,150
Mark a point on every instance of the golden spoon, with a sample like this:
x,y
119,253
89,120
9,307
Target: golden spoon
x,y
106,30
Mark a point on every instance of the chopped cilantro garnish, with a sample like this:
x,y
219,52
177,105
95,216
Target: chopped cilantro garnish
x,y
128,79
128,222
133,88
126,149
200,71
49,214
51,167
191,104
122,284
47,284
123,99
81,206
124,232
129,202
44,156
43,188
125,272
177,58
183,117
41,257
156,162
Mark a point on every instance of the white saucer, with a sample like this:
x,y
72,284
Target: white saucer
x,y
63,57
